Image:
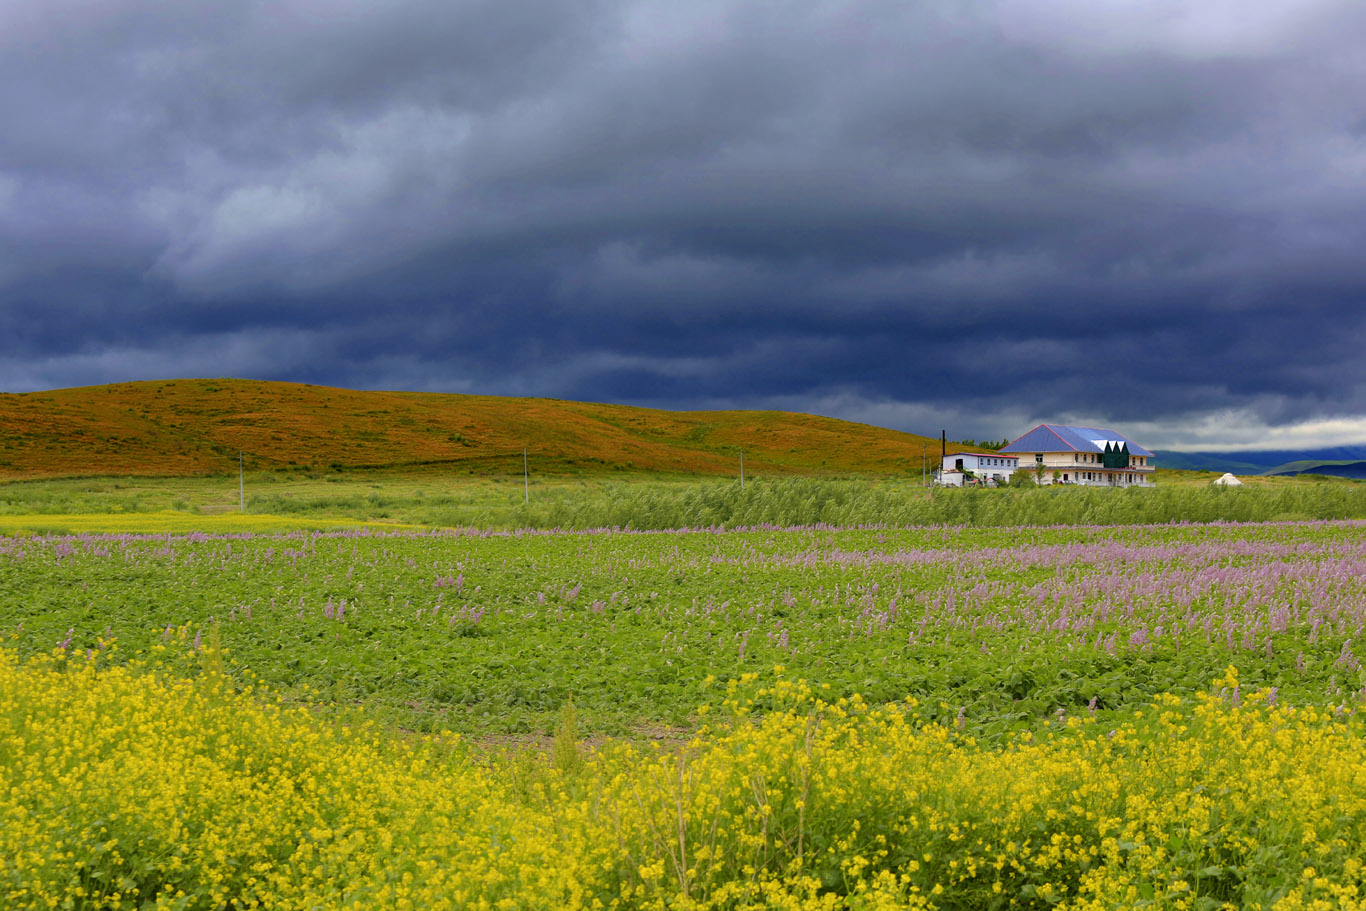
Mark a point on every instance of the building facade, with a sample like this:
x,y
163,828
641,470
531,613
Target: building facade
x,y
960,468
1086,456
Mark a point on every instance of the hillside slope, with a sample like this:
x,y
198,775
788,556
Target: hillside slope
x,y
197,427
1266,461
1330,468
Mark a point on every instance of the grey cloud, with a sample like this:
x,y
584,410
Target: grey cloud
x,y
1149,212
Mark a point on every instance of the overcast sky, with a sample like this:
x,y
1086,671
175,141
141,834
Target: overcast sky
x,y
972,214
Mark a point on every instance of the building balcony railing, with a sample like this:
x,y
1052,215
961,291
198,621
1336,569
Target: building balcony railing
x,y
1107,483
1068,465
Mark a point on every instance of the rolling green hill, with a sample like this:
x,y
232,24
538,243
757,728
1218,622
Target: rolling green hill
x,y
1341,461
196,427
1336,468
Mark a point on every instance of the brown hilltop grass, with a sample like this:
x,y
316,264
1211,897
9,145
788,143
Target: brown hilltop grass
x,y
192,427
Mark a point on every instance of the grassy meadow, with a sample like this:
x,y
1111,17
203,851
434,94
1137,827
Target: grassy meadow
x,y
492,634
500,501
397,689
198,428
939,717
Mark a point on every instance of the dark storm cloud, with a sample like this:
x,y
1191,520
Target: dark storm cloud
x,y
979,213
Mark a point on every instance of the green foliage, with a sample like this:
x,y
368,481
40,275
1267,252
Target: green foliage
x,y
678,503
993,445
564,752
491,633
790,502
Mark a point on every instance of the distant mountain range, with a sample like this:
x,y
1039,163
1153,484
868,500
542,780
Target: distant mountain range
x,y
1338,461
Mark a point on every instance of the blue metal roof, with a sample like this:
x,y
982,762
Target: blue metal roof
x,y
1063,438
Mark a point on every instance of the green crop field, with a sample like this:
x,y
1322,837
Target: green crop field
x,y
493,633
950,716
642,502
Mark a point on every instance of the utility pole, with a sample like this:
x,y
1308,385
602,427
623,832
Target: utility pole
x,y
943,455
241,483
526,479
742,469
923,457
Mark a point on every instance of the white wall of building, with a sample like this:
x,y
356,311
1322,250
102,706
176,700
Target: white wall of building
x,y
1086,469
983,465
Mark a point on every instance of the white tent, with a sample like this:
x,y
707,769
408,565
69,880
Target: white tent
x,y
1228,480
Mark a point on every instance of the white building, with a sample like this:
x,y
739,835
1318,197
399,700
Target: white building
x,y
1089,456
960,468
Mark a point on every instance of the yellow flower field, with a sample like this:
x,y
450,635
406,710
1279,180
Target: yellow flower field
x,y
159,786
